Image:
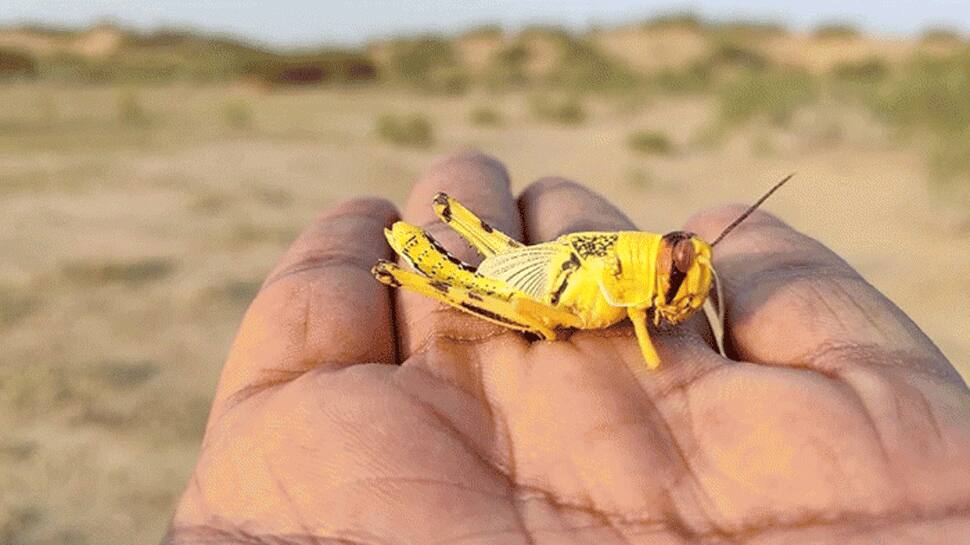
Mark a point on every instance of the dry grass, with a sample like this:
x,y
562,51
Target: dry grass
x,y
414,130
564,110
649,142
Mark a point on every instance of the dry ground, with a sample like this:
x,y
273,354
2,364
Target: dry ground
x,y
132,244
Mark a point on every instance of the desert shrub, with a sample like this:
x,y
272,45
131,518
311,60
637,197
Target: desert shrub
x,y
130,110
940,35
14,64
649,142
327,66
134,273
564,110
581,66
237,115
773,95
16,305
732,54
929,93
836,30
414,130
697,77
507,67
868,70
486,116
430,64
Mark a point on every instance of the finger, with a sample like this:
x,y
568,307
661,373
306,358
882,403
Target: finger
x,y
792,301
481,183
552,207
320,305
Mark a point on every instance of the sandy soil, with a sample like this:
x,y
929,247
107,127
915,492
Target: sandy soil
x,y
131,249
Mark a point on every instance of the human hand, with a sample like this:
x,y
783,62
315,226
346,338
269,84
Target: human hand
x,y
840,422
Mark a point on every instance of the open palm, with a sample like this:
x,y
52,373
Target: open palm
x,y
842,424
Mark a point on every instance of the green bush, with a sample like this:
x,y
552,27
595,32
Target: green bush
x,y
836,30
581,66
135,272
430,64
697,77
565,111
868,70
773,96
649,142
486,116
929,93
731,54
940,35
413,130
507,67
750,30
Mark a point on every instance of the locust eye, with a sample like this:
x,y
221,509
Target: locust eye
x,y
683,254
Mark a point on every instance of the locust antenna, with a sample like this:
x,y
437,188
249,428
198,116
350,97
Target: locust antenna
x,y
748,212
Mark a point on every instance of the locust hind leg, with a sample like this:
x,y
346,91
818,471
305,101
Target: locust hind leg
x,y
483,305
482,236
422,251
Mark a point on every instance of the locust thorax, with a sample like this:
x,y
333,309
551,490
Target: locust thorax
x,y
683,280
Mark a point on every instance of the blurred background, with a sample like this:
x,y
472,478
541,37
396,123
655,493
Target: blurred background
x,y
156,158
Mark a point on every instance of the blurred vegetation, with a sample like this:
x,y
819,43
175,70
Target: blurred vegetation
x,y
680,20
491,32
870,70
929,98
132,273
581,66
938,34
836,30
565,110
920,95
930,92
507,67
324,67
429,64
413,130
16,65
486,116
772,96
649,142
16,305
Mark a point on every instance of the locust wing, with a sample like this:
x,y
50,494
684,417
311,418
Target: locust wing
x,y
530,269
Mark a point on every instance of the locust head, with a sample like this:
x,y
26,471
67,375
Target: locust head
x,y
684,276
685,273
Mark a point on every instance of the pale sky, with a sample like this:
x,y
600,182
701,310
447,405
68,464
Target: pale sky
x,y
349,22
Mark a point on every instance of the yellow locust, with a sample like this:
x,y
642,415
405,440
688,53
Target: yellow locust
x,y
586,280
